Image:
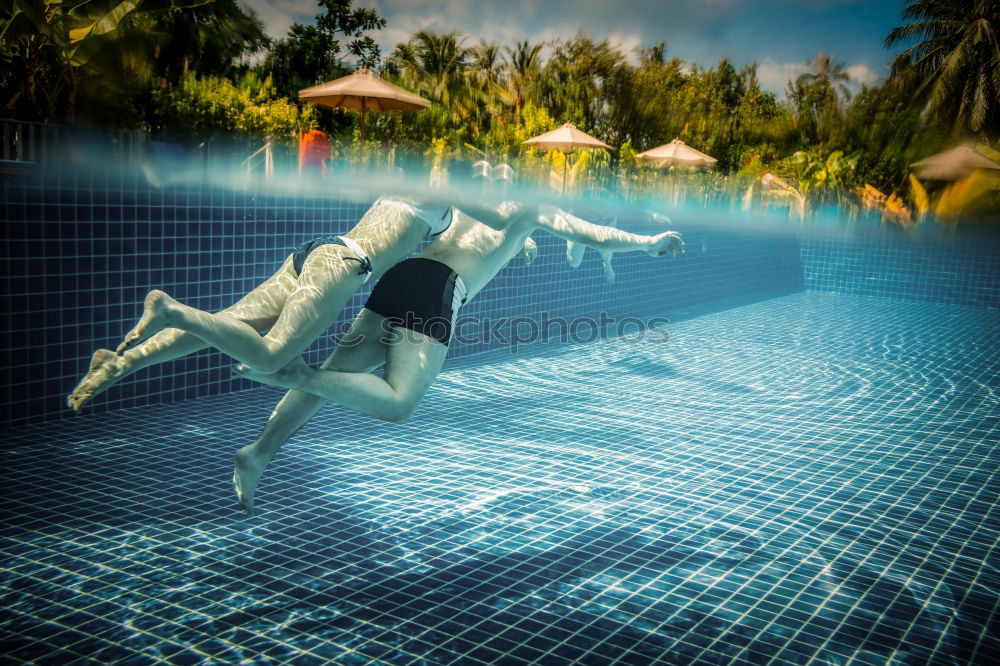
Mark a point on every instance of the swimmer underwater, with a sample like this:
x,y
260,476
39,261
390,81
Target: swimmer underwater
x,y
413,300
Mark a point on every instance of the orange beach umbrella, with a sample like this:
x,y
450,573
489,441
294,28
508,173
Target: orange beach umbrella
x,y
953,164
677,152
364,91
566,139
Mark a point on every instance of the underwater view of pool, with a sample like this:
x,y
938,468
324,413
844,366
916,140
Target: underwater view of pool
x,y
653,333
799,478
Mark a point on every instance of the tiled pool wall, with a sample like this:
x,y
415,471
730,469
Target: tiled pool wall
x,y
957,265
81,251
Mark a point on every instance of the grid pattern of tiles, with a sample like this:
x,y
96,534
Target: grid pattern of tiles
x,y
83,249
804,480
939,265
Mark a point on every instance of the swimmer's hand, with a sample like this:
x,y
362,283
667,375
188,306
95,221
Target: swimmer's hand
x,y
529,252
667,242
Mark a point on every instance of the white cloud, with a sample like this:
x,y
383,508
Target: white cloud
x,y
627,23
628,44
862,74
774,76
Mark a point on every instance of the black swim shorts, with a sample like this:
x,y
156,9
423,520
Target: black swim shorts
x,y
420,294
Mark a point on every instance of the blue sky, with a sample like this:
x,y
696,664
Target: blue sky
x,y
780,35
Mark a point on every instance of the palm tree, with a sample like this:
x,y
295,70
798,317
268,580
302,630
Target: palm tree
x,y
486,59
955,65
522,67
828,74
814,96
433,64
437,66
484,79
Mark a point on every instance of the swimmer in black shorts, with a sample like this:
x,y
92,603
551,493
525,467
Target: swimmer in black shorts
x,y
280,318
417,302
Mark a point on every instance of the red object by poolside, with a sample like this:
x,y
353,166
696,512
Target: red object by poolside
x,y
314,149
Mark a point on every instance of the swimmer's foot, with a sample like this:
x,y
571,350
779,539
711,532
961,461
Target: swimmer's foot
x,y
609,271
105,370
288,377
158,310
248,467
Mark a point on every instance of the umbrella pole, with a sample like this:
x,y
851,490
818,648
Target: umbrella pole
x,y
364,110
565,160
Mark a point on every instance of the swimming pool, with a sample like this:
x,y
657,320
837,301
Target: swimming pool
x,y
801,471
758,492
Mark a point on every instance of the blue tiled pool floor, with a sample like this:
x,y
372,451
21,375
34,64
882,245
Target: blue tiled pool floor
x,y
810,479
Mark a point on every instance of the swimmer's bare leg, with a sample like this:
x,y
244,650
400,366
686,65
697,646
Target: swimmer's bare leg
x,y
259,309
315,299
609,271
249,462
297,407
413,361
159,310
108,368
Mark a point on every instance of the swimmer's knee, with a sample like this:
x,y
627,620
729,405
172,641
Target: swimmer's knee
x,y
397,414
275,360
267,366
399,411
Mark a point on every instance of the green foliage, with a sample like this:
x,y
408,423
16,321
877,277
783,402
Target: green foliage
x,y
816,97
214,106
503,142
822,179
575,76
954,65
103,55
304,58
310,55
208,39
339,18
182,64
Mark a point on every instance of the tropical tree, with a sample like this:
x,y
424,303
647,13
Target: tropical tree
x,y
816,97
209,39
305,57
48,49
643,100
440,68
884,124
955,62
485,59
574,81
433,64
829,75
311,54
522,69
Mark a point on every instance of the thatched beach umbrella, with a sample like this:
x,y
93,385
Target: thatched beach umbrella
x,y
677,152
364,91
953,164
566,139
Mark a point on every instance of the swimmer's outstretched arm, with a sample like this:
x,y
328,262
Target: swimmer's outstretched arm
x,y
606,239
